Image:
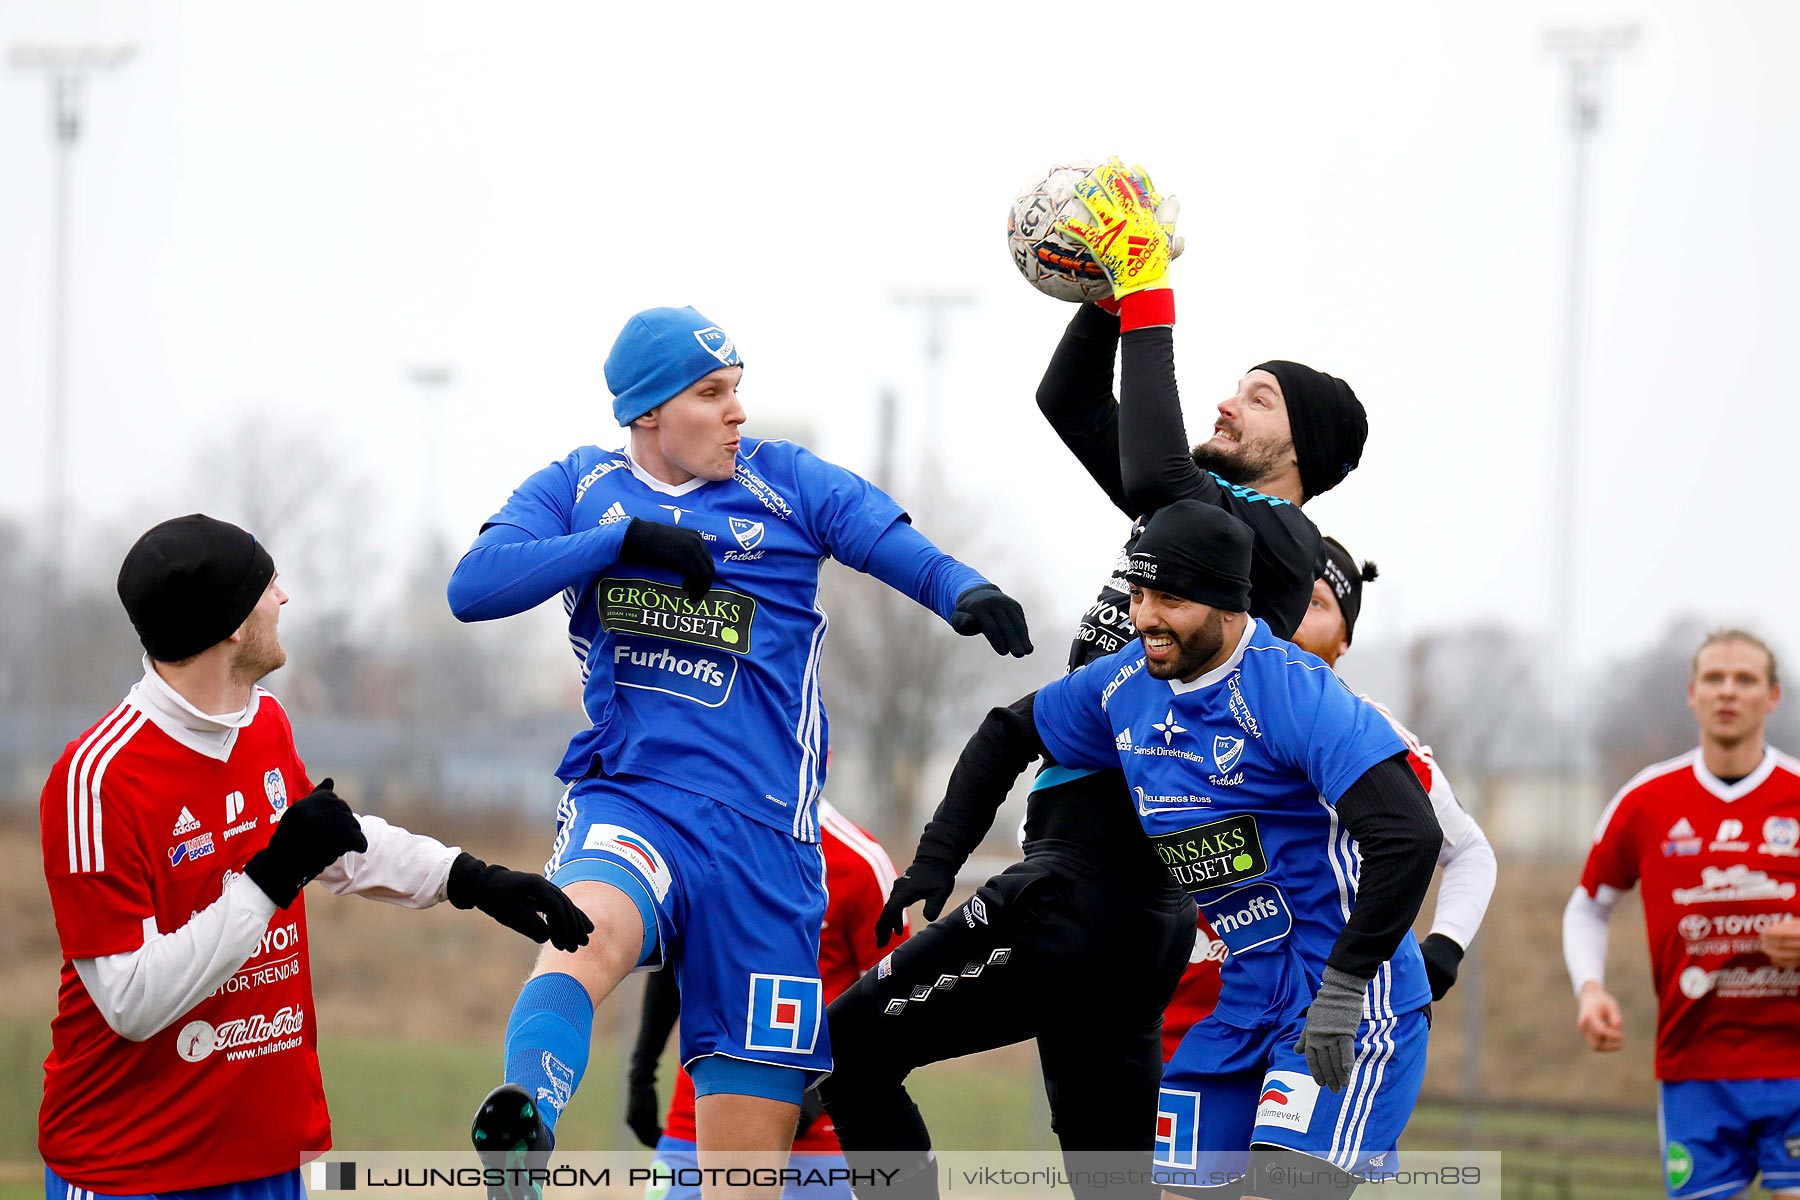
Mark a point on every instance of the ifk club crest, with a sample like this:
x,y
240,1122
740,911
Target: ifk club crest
x,y
749,534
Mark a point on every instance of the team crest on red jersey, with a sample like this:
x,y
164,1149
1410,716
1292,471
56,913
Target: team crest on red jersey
x,y
275,787
1781,837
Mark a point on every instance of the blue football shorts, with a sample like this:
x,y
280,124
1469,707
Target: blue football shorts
x,y
288,1185
731,905
1718,1134
1228,1088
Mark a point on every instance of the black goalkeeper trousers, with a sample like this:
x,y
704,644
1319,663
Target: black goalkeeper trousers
x,y
1081,956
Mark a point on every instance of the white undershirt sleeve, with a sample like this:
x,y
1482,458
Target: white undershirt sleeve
x,y
399,867
1468,865
142,992
1585,934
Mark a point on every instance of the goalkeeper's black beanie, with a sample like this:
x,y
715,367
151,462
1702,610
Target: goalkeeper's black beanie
x,y
1196,551
1345,578
1327,422
189,582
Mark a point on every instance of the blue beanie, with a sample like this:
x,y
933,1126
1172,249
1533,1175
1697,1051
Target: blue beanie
x,y
660,352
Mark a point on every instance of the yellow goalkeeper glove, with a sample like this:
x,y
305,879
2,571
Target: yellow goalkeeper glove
x,y
1167,208
1125,238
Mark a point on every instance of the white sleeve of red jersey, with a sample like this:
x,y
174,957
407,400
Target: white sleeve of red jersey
x,y
399,867
1585,934
144,991
1467,862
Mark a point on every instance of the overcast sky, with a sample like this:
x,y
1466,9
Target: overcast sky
x,y
279,207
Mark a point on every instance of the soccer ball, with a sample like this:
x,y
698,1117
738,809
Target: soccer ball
x,y
1052,262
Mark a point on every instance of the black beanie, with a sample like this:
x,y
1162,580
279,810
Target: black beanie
x,y
1327,422
189,583
1345,579
1196,551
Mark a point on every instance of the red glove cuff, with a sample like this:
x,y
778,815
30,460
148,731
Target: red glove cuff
x,y
1107,304
1147,309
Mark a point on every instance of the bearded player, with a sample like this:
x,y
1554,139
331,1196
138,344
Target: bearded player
x,y
1714,838
1286,806
1466,862
1091,904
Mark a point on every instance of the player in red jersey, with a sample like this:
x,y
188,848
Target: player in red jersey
x,y
1714,837
183,1048
1466,861
858,877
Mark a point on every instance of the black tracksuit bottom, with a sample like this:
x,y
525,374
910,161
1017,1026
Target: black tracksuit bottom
x,y
1079,946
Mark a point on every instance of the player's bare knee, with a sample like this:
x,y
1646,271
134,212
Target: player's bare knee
x,y
613,948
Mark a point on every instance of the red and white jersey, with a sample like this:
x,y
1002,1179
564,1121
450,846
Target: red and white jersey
x,y
139,834
858,878
1198,990
1717,863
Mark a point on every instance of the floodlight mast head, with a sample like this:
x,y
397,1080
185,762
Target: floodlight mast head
x,y
66,66
1586,53
58,59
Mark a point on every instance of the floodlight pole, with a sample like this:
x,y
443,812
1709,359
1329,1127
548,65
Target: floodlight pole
x,y
433,380
1586,54
66,69
938,307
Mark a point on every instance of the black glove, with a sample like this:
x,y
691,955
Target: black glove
x,y
641,1109
811,1109
988,610
1442,957
314,833
927,880
525,903
682,551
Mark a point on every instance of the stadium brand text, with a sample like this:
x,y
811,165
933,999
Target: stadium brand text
x,y
595,476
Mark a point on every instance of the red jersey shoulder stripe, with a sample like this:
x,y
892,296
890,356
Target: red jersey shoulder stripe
x,y
87,767
79,858
1654,771
864,846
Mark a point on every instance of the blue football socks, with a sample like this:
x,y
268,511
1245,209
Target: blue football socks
x,y
547,1040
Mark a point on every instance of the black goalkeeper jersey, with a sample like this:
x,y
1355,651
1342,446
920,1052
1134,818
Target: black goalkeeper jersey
x,y
1136,448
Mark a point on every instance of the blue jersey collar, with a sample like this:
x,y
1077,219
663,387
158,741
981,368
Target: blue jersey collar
x,y
1223,669
656,485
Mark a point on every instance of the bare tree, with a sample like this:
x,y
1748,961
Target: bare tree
x,y
899,687
290,488
1477,699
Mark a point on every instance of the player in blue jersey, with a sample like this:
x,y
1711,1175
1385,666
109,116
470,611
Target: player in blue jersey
x,y
688,563
1088,907
1285,806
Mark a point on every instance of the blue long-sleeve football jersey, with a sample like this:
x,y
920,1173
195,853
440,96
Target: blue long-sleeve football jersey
x,y
720,696
1235,778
